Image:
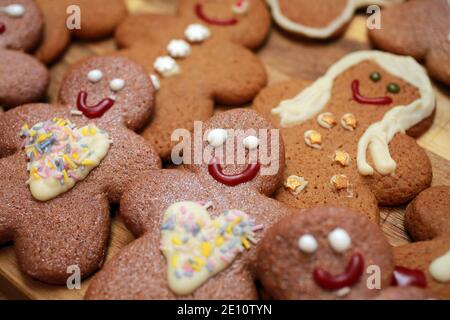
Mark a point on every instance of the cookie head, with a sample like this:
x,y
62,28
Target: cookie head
x,y
241,148
324,253
21,24
109,89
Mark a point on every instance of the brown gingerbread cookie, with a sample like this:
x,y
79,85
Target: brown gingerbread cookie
x,y
318,19
198,58
194,223
98,18
63,165
23,79
343,133
418,28
427,220
328,253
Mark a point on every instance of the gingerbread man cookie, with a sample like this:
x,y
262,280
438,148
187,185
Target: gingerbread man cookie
x,y
63,165
97,19
319,19
418,28
195,225
427,259
344,133
23,79
328,253
197,58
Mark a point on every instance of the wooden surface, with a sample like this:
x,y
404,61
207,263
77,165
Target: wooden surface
x,y
284,58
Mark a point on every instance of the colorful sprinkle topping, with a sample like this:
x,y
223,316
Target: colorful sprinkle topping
x,y
60,155
196,247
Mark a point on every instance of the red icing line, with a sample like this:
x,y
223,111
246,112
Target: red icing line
x,y
201,15
351,275
404,277
215,170
2,28
93,111
366,100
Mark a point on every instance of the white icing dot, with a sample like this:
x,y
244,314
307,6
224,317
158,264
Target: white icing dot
x,y
155,81
217,137
117,84
251,142
307,243
440,268
95,75
179,48
14,10
339,240
166,66
197,33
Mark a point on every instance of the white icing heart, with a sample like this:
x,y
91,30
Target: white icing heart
x,y
60,155
196,247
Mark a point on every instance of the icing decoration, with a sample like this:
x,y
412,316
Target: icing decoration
x,y
349,122
155,81
197,33
296,184
14,10
2,28
440,268
351,275
217,22
332,27
366,100
307,243
340,182
95,111
251,142
215,170
241,6
339,240
313,139
196,247
179,48
393,88
217,137
342,157
117,84
375,76
166,66
404,277
376,138
326,120
60,155
95,76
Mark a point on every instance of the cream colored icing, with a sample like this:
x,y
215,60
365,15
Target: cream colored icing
x,y
376,138
332,27
440,268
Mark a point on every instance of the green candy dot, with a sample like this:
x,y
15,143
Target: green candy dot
x,y
393,88
375,76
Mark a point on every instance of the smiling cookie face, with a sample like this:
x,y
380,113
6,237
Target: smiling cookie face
x,y
324,253
109,89
21,24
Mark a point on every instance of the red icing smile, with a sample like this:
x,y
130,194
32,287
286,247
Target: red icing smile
x,y
404,277
366,100
218,22
2,28
93,111
215,170
351,275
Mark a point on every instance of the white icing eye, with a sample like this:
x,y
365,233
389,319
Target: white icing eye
x,y
95,75
307,243
339,240
251,142
117,84
14,10
217,137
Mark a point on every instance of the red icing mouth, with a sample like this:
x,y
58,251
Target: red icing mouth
x,y
351,275
404,277
95,111
215,170
367,100
218,22
2,28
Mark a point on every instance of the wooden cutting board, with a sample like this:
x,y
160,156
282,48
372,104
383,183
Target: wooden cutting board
x,y
284,58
